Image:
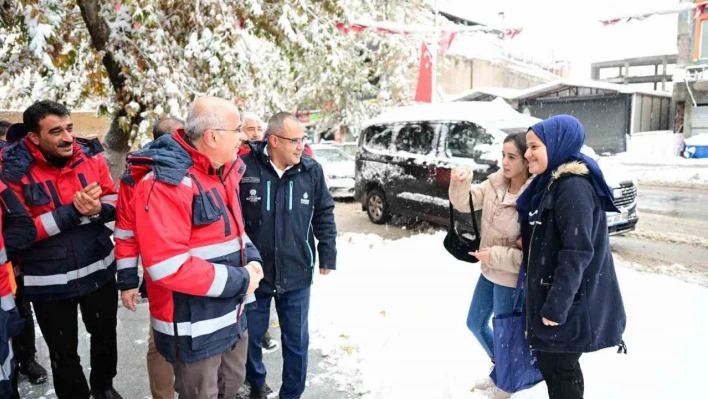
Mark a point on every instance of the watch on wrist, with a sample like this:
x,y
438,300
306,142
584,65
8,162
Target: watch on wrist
x,y
95,217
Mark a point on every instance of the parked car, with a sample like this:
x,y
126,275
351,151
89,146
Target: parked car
x,y
339,169
405,156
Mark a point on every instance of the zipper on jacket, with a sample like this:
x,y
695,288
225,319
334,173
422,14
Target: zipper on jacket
x,y
268,196
224,211
291,196
307,241
533,231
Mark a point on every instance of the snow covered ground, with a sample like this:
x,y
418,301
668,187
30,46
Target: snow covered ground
x,y
391,322
674,171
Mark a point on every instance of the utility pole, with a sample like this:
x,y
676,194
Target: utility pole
x,y
680,108
434,54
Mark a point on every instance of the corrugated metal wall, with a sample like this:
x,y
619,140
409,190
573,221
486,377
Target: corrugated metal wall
x,y
605,119
651,113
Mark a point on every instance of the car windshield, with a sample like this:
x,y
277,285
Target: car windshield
x,y
331,155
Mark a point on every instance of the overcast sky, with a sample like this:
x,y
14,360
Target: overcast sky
x,y
570,29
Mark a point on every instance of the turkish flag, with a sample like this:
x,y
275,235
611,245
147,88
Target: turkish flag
x,y
446,39
424,91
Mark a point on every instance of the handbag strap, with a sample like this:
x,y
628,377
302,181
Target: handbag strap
x,y
474,219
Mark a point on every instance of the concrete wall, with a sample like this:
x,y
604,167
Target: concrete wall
x,y
457,75
454,76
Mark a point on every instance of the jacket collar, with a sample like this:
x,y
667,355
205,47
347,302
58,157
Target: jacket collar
x,y
500,184
20,156
571,168
259,151
164,157
202,163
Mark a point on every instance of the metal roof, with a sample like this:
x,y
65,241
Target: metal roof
x,y
564,84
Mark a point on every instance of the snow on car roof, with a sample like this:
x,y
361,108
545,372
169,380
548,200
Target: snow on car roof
x,y
496,114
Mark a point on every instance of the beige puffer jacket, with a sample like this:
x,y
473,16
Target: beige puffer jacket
x,y
500,228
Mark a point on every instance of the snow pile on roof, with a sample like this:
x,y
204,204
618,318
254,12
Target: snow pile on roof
x,y
496,114
391,322
472,95
556,85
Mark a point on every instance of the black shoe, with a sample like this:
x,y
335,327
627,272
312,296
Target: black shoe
x,y
34,371
109,394
260,393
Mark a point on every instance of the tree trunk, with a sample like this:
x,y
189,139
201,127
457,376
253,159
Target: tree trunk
x,y
117,139
7,9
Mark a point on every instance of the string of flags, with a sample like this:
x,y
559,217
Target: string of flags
x,y
447,35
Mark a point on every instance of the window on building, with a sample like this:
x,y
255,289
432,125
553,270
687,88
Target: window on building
x,y
700,38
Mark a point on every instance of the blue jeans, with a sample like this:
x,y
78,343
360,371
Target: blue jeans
x,y
293,309
488,298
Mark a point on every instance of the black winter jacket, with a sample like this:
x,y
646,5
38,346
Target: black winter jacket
x,y
571,274
282,218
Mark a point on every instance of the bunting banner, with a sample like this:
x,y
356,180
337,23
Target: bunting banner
x,y
699,9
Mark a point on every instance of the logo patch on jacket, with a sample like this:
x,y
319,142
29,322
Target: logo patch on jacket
x,y
251,179
253,198
305,199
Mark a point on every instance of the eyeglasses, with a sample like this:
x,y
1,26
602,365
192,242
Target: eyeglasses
x,y
296,141
238,130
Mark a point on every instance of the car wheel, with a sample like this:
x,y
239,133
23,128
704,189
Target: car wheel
x,y
377,207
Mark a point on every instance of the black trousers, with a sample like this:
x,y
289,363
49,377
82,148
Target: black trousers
x,y
23,345
562,373
59,325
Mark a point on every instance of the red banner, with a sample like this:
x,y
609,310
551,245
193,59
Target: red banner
x,y
424,91
446,39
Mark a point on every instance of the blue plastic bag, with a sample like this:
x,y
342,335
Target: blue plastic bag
x,y
515,365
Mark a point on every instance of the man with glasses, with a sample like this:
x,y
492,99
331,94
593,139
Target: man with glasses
x,y
200,266
286,205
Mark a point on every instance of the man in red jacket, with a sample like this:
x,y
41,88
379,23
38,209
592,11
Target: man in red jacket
x,y
65,185
200,266
160,372
18,233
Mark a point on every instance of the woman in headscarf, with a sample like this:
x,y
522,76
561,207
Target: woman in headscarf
x,y
573,300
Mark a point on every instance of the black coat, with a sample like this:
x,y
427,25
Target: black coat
x,y
283,216
571,274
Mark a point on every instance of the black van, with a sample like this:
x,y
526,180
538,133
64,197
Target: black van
x,y
405,156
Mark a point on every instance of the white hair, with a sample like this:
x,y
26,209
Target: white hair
x,y
249,116
198,121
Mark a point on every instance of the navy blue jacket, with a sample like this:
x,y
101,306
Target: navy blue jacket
x,y
283,216
571,275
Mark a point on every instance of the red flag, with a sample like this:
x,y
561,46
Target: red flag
x,y
446,39
511,33
349,28
700,10
424,91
